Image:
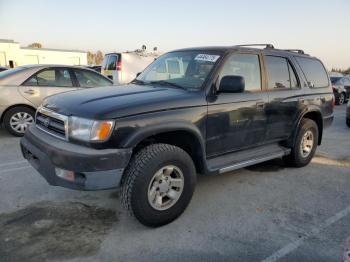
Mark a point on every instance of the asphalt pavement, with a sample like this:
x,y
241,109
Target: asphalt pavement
x,y
267,212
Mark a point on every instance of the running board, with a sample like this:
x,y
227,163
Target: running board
x,y
244,158
251,162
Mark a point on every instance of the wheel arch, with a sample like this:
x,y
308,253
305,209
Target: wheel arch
x,y
14,106
183,135
315,115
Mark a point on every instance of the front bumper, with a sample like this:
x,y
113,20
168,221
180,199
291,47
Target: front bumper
x,y
89,169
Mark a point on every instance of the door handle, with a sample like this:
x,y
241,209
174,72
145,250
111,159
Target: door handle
x,y
260,105
30,92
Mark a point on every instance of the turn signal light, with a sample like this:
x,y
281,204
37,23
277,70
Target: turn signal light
x,y
101,130
65,174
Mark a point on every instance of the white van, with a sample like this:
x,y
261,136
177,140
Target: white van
x,y
123,67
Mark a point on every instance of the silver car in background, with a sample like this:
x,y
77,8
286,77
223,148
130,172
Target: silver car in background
x,y
24,88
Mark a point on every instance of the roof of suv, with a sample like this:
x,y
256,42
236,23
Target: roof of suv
x,y
268,48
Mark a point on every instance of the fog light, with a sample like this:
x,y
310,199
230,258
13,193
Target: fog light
x,y
65,174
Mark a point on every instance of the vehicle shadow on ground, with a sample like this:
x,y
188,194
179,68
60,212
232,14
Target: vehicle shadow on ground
x,y
4,134
273,165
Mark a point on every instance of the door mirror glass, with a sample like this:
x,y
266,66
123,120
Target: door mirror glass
x,y
232,84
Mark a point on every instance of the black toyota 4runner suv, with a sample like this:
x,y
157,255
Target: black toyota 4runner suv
x,y
192,111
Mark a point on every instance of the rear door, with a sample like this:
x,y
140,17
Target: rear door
x,y
285,96
47,82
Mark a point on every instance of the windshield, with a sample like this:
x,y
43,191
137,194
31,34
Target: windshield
x,y
11,71
183,69
335,79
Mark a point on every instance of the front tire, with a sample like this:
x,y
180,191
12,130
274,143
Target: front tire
x,y
17,120
305,144
158,184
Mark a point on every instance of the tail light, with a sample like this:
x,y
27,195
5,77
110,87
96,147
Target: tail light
x,y
119,66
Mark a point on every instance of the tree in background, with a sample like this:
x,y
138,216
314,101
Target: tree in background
x,y
99,57
94,58
338,70
90,58
35,45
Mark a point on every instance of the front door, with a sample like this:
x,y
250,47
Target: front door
x,y
238,120
45,83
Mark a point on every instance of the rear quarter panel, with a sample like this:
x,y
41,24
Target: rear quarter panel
x,y
9,96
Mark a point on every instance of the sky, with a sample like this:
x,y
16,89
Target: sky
x,y
319,27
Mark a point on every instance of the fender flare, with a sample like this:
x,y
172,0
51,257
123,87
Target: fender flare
x,y
142,133
152,130
316,110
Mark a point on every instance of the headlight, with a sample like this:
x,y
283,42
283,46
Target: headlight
x,y
89,130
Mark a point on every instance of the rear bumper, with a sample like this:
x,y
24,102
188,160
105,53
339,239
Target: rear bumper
x,y
327,121
87,168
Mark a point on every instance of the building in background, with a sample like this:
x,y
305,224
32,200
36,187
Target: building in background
x,y
13,55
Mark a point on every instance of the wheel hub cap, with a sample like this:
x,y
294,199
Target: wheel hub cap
x,y
307,144
166,187
20,121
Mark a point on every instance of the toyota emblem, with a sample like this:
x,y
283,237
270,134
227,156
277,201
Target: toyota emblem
x,y
46,122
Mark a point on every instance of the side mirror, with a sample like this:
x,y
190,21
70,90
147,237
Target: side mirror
x,y
232,84
139,73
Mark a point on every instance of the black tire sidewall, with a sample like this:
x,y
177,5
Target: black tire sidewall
x,y
348,122
141,208
10,113
306,125
340,102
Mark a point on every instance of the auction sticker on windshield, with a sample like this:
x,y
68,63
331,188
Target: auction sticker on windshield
x,y
208,58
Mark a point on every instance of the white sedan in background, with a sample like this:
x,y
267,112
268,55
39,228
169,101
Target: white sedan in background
x,y
24,88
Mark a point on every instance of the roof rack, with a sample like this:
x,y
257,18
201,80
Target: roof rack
x,y
266,45
299,51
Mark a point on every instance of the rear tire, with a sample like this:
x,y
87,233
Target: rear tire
x,y
305,144
154,173
341,99
17,120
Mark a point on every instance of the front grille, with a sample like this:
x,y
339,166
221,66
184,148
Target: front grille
x,y
51,123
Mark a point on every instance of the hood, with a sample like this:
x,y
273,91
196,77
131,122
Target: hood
x,y
119,101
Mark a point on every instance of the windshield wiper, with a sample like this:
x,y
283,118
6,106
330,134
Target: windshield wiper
x,y
166,83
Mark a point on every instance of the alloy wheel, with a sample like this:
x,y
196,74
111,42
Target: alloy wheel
x,y
166,187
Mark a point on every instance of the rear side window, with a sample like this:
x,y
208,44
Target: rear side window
x,y
281,73
314,71
335,80
90,79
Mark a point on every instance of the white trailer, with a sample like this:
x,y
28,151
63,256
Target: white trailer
x,y
122,68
